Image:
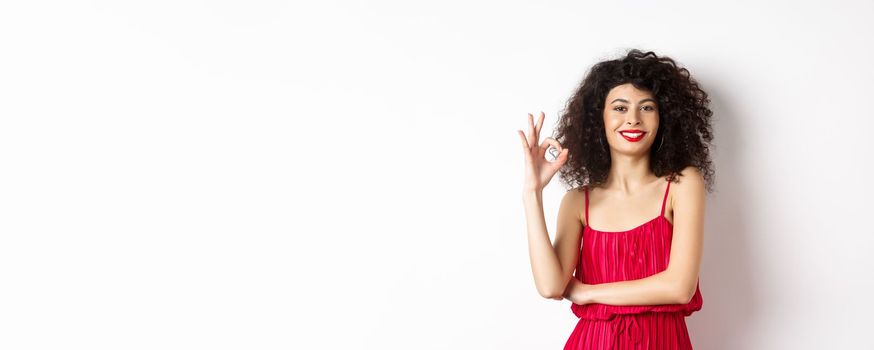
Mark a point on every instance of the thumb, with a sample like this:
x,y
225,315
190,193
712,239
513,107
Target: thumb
x,y
562,158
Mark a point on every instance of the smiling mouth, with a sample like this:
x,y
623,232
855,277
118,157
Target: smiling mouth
x,y
633,136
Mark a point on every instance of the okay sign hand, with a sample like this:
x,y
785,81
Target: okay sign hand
x,y
539,171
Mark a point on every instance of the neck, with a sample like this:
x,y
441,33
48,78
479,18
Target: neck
x,y
629,173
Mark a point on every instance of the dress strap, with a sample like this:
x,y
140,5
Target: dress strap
x,y
587,204
665,199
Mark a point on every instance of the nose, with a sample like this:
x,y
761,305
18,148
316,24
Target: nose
x,y
633,118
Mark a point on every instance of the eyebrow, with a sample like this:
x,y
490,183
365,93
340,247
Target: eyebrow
x,y
626,101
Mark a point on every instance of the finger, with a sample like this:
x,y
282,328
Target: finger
x,y
540,124
550,142
538,127
562,158
532,132
553,141
525,146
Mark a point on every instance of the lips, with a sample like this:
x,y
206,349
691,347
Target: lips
x,y
632,135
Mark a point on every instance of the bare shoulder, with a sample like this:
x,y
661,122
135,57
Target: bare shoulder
x,y
574,202
689,187
689,179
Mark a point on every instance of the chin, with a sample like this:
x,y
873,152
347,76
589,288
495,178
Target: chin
x,y
634,150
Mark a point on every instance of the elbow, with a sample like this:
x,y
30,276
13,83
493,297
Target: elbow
x,y
684,295
682,291
549,296
551,293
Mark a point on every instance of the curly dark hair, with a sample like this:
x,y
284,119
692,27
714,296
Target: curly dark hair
x,y
684,132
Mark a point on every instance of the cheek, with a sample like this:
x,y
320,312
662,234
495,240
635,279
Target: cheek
x,y
612,121
652,120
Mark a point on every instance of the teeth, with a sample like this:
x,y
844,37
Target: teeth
x,y
632,135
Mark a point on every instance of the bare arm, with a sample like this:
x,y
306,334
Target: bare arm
x,y
552,266
677,283
657,289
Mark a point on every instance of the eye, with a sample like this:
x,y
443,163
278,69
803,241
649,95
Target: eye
x,y
621,108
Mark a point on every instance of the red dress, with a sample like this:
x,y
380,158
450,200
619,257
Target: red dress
x,y
629,255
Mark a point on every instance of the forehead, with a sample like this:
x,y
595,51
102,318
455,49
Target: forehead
x,y
627,92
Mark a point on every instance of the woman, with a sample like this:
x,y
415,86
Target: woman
x,y
633,143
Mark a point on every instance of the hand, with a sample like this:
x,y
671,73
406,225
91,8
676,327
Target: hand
x,y
539,171
577,292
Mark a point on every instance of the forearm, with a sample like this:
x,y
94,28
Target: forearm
x,y
544,261
657,289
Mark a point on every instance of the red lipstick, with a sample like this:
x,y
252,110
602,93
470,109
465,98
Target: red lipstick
x,y
633,131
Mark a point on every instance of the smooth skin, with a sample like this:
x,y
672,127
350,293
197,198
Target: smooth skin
x,y
632,195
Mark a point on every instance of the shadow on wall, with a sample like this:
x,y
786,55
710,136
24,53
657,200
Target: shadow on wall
x,y
730,301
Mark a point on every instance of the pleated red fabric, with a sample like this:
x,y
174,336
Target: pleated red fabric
x,y
628,255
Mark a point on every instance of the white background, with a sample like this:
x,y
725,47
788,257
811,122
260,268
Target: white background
x,y
278,175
